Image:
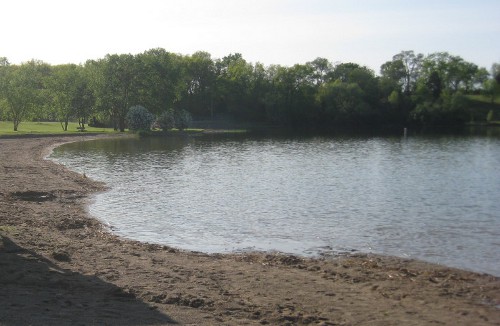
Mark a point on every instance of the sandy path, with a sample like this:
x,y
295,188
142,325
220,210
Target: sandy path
x,y
58,266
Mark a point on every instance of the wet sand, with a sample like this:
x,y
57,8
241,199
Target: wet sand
x,y
59,266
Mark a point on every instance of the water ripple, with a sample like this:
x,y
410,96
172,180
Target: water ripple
x,y
429,198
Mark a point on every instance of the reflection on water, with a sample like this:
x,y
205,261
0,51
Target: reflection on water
x,y
433,198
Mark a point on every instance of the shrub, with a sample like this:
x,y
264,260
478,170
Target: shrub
x,y
166,120
489,116
182,119
139,118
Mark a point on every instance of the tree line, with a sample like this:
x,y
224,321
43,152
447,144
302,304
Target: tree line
x,y
410,89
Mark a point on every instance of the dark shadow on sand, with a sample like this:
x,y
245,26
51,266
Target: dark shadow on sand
x,y
34,291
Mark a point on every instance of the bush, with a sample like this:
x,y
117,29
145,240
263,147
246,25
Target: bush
x,y
489,116
182,119
139,118
166,120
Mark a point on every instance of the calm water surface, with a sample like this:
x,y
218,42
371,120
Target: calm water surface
x,y
431,198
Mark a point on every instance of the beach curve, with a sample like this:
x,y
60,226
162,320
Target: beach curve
x,y
61,266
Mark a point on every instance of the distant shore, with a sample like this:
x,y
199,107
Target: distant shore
x,y
60,266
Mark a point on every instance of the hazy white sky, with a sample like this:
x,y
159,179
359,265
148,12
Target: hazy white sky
x,y
368,32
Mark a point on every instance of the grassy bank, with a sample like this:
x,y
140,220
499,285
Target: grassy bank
x,y
480,106
7,128
54,128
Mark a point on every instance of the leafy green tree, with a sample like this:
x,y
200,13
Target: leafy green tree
x,y
4,62
394,98
70,93
434,85
161,79
259,87
240,89
449,108
311,95
274,98
139,118
495,71
455,72
352,73
404,69
445,78
234,86
18,97
490,89
200,78
321,68
481,76
24,88
493,85
117,85
60,85
84,99
395,72
4,67
291,100
343,102
342,72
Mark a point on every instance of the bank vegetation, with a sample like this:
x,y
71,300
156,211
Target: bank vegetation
x,y
410,89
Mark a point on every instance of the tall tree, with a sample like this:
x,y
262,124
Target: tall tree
x,y
4,62
495,71
434,85
479,78
352,73
322,68
199,87
234,85
161,79
404,69
117,86
455,72
343,102
24,89
4,66
70,93
292,101
491,87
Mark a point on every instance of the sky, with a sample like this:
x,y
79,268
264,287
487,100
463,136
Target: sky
x,y
284,32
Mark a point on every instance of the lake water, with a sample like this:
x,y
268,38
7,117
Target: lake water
x,y
430,198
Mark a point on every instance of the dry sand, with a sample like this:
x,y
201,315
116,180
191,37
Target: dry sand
x,y
59,266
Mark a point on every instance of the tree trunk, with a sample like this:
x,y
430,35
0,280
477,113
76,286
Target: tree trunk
x,y
122,124
81,124
64,125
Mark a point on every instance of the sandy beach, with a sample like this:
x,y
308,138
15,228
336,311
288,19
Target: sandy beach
x,y
60,266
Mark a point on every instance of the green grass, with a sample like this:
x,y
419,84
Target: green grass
x,y
189,132
7,128
54,128
479,107
212,131
484,99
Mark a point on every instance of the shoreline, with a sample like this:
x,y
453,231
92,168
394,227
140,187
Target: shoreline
x,y
61,266
323,250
